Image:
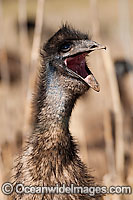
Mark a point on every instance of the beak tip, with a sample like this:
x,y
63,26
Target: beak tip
x,y
102,47
97,89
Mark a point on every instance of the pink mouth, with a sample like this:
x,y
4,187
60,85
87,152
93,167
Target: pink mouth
x,y
78,65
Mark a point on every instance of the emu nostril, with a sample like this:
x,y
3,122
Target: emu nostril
x,y
93,46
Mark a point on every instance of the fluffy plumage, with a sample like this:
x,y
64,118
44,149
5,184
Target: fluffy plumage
x,y
51,155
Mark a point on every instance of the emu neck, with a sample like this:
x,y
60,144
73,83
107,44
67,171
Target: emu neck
x,y
54,106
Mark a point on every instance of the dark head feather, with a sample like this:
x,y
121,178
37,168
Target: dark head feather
x,y
65,34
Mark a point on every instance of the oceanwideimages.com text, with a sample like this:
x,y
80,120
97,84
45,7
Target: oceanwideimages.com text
x,y
7,188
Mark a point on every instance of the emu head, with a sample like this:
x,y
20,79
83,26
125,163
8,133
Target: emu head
x,y
66,51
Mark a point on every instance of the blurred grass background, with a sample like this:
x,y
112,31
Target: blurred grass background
x,y
102,123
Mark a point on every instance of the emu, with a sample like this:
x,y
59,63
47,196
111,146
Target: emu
x,y
51,155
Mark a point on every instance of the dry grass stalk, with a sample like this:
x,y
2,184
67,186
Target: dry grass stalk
x,y
114,93
110,178
111,75
125,33
3,55
34,61
124,28
2,196
109,143
95,26
125,36
24,41
4,70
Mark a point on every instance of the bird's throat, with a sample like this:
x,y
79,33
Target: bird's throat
x,y
54,110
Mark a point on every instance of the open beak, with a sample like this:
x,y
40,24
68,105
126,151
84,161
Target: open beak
x,y
77,63
90,79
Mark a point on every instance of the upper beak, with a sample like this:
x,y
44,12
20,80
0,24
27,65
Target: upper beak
x,y
84,46
90,46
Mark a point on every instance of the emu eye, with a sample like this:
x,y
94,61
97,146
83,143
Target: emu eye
x,y
66,47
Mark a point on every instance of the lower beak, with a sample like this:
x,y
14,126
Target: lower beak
x,y
92,82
